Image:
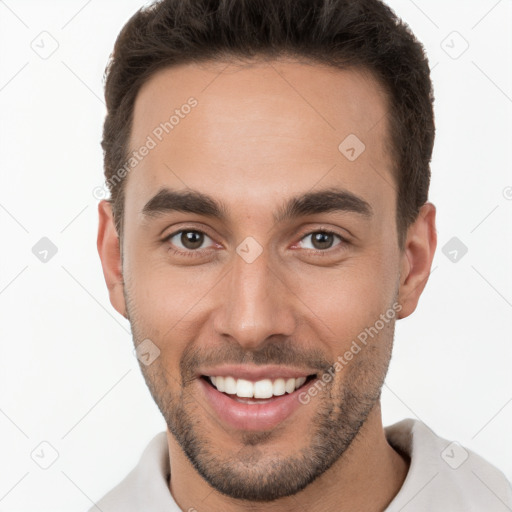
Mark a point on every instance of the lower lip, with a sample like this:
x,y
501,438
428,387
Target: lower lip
x,y
259,416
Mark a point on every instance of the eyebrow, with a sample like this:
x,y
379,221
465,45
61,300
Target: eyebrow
x,y
310,203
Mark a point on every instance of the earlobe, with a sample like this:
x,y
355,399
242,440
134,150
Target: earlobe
x,y
417,257
110,256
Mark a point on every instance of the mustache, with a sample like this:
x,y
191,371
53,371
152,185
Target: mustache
x,y
278,353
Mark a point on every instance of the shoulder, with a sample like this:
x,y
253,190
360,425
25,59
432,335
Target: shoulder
x,y
444,475
145,486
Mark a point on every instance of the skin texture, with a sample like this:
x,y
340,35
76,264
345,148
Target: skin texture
x,y
259,135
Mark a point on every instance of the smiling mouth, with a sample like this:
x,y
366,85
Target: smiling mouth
x,y
254,392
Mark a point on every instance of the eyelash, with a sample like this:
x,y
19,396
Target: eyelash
x,y
193,253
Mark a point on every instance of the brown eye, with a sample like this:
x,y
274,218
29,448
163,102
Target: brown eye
x,y
321,240
188,240
191,239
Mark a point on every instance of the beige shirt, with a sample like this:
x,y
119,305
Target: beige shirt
x,y
443,476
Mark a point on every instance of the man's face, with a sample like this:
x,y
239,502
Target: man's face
x,y
256,294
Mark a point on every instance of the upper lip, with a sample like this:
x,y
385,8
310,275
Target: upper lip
x,y
255,373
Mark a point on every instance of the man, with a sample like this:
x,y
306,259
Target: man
x,y
268,164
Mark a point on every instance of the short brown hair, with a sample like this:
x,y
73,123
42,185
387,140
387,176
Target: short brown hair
x,y
364,34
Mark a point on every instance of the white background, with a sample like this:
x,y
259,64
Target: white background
x,y
67,370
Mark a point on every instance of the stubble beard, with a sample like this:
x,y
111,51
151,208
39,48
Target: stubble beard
x,y
341,409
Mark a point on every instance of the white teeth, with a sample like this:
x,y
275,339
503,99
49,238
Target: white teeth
x,y
289,385
298,382
278,388
219,383
264,388
244,388
230,385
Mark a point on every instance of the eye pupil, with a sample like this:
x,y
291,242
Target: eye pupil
x,y
322,240
192,239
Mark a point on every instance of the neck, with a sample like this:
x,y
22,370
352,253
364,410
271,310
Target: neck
x,y
366,477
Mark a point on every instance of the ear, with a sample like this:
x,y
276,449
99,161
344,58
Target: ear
x,y
110,256
416,259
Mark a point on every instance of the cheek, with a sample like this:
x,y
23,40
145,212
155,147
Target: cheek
x,y
166,303
165,292
349,299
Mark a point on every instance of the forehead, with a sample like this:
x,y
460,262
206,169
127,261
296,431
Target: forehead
x,y
253,133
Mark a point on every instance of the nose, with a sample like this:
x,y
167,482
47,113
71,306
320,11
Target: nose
x,y
256,304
